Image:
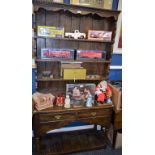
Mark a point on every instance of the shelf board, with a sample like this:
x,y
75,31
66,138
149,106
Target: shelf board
x,y
94,61
61,79
71,142
80,40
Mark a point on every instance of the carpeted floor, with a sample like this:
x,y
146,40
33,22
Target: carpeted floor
x,y
107,151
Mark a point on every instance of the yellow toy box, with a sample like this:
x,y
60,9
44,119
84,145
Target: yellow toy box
x,y
75,74
51,31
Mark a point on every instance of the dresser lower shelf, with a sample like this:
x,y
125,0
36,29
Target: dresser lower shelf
x,y
71,142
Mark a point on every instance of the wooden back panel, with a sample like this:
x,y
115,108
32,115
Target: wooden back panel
x,y
71,22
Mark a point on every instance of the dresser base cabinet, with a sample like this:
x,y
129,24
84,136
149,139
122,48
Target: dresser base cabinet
x,y
77,141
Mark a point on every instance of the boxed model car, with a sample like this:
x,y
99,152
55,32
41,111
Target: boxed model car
x,y
63,54
99,35
51,31
90,55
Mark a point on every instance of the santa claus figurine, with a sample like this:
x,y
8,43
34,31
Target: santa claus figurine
x,y
103,92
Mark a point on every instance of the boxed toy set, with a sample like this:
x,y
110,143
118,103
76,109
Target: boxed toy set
x,y
99,35
69,65
51,31
73,74
91,55
55,54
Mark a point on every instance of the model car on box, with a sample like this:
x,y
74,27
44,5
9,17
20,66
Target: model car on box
x,y
64,54
76,35
99,35
91,55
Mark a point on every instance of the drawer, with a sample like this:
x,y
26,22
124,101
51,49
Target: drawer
x,y
104,121
94,113
56,117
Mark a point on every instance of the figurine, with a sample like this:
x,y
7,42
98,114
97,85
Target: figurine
x,y
88,97
67,102
75,35
60,100
89,101
77,96
103,92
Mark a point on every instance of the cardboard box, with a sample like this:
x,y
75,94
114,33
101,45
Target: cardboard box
x,y
69,65
51,31
75,2
90,55
108,4
74,74
116,98
89,3
99,35
58,1
55,54
118,142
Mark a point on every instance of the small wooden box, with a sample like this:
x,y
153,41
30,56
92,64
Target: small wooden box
x,y
75,74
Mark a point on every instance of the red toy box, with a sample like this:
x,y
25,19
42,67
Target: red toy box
x,y
55,54
90,55
99,35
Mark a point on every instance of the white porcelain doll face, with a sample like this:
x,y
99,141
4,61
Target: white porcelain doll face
x,y
103,86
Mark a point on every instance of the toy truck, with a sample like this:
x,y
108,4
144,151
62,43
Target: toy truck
x,y
76,35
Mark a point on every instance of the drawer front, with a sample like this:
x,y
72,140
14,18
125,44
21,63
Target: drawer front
x,y
56,117
104,121
94,113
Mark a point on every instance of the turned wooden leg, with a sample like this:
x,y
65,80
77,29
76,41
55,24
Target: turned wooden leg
x,y
37,144
107,137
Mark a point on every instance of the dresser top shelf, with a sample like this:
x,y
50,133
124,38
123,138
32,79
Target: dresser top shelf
x,y
75,9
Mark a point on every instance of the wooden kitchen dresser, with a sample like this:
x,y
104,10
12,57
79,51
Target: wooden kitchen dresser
x,y
71,17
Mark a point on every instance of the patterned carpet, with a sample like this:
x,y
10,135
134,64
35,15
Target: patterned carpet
x,y
107,151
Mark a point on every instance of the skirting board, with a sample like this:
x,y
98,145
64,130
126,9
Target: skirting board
x,y
115,67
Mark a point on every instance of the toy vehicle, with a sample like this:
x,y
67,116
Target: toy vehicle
x,y
90,55
99,35
75,35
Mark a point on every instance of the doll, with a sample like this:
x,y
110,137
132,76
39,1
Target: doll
x,y
103,92
88,98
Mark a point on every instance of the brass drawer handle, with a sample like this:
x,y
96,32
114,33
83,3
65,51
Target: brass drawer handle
x,y
93,113
57,116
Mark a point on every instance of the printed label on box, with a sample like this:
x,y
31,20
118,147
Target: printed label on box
x,y
51,31
99,35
